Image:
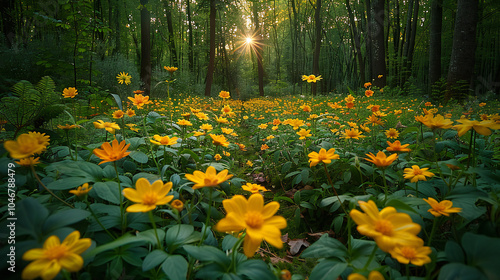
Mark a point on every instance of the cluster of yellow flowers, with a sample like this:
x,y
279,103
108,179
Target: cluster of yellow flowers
x,y
27,145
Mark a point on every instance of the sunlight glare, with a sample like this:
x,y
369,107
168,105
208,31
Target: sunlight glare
x,y
248,40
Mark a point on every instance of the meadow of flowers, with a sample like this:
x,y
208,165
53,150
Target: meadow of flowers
x,y
352,186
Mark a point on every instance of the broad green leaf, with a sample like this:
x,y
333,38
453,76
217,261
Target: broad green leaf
x,y
139,156
255,269
460,271
125,239
153,259
175,267
325,247
64,218
207,253
328,269
31,224
108,191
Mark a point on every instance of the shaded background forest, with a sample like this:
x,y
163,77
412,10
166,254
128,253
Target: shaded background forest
x,y
435,48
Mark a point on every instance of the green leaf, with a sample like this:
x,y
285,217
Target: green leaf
x,y
64,218
304,175
31,224
454,252
118,100
150,237
328,269
460,271
154,259
107,191
178,233
286,167
67,183
482,252
207,253
325,247
398,204
278,198
465,198
255,269
139,156
175,267
125,239
191,153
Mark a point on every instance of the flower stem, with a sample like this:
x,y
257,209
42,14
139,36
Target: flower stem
x,y
334,190
371,257
43,185
234,252
385,185
209,211
97,219
151,218
433,230
120,196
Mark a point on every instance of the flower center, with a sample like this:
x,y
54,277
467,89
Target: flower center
x,y
210,182
254,219
56,252
408,252
439,207
417,172
385,227
149,199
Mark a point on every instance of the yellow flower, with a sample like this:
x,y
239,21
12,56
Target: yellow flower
x,y
368,93
198,133
208,179
206,127
67,126
286,274
311,78
118,114
295,123
30,161
113,152
70,92
219,140
416,174
54,256
221,120
305,108
140,100
256,218
147,196
224,94
132,127
226,153
304,133
202,116
349,99
108,126
130,113
438,121
253,188
184,122
164,140
392,133
226,110
323,156
124,78
264,147
262,126
367,84
177,205
397,147
81,190
374,275
441,208
170,69
381,160
353,133
217,157
242,147
482,127
388,227
24,146
374,120
416,255
482,104
249,163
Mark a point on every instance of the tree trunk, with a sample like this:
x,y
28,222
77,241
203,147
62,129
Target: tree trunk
x,y
378,44
258,48
211,59
463,51
171,39
7,11
368,36
191,45
357,43
435,41
317,42
145,48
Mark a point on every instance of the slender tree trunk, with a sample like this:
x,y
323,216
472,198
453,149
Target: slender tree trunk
x,y
357,43
435,41
145,48
317,42
378,44
190,30
171,38
258,48
368,37
211,59
7,12
463,51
